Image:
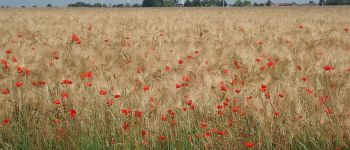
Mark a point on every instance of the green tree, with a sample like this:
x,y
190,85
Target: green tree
x,y
118,5
188,3
247,3
238,3
196,3
49,5
321,2
147,3
268,3
168,4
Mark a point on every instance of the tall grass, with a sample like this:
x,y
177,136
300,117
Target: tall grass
x,y
228,56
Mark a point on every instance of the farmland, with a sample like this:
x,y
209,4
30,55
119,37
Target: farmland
x,y
175,78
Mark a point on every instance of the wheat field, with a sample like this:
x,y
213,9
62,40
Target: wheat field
x,y
175,78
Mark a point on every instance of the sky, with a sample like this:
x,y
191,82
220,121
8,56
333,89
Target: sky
x,y
28,3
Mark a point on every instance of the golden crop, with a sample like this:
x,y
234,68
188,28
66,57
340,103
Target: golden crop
x,y
175,78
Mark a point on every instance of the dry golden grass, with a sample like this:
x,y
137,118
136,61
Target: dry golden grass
x,y
128,49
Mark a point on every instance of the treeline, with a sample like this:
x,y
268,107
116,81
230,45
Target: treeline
x,y
82,4
334,2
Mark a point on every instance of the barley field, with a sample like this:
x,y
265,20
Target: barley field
x,y
175,78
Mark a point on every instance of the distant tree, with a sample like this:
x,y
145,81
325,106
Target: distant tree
x,y
196,3
136,5
34,6
188,3
255,4
97,5
49,5
312,3
268,3
168,4
147,3
2,6
246,3
127,5
118,5
321,2
261,4
21,6
331,2
238,3
221,2
80,4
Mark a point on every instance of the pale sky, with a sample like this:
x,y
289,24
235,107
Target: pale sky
x,y
28,3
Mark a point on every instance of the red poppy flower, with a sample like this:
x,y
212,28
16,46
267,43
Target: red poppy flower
x,y
19,69
64,95
126,126
221,132
276,113
87,75
178,85
19,84
103,92
298,67
327,68
346,29
162,138
75,39
238,91
219,107
270,64
110,102
167,68
189,102
328,111
203,125
281,95
223,88
304,79
5,91
117,96
72,113
143,132
180,61
14,59
186,78
163,117
192,107
125,111
248,144
263,88
89,84
235,109
161,33
5,121
57,102
226,103
207,134
66,81
301,26
146,87
8,51
138,114
41,83
27,71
